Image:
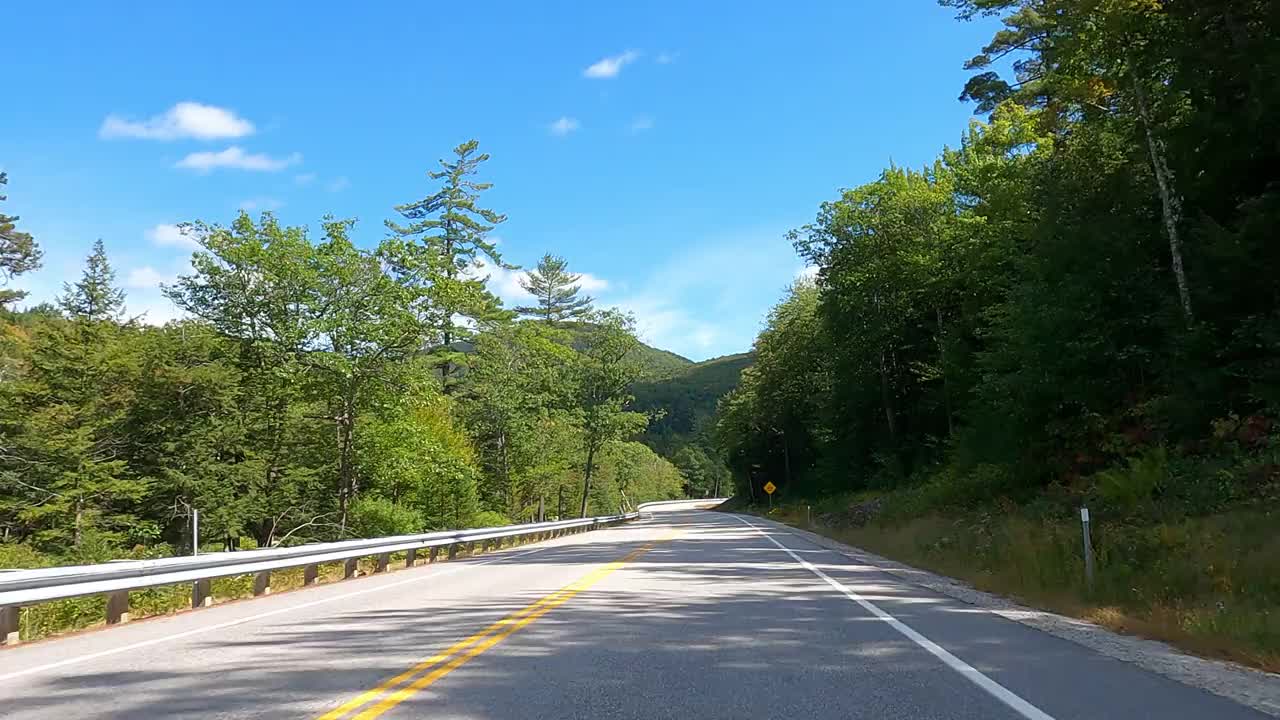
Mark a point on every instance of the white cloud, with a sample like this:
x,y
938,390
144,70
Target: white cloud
x,y
708,299
506,283
591,283
564,126
338,184
147,277
610,67
235,157
304,178
502,282
640,124
171,236
261,203
152,307
184,120
666,58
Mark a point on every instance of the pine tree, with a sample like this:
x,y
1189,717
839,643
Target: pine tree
x,y
95,296
446,239
18,251
556,290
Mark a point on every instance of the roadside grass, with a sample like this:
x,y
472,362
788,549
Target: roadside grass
x,y
73,614
1209,585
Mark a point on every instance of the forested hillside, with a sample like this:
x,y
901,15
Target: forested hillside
x,y
682,409
316,389
684,403
1076,304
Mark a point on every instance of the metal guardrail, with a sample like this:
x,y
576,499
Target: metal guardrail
x,y
116,579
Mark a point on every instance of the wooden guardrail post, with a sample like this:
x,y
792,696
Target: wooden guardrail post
x,y
453,550
435,554
410,557
202,593
262,583
384,559
350,567
9,616
311,574
118,607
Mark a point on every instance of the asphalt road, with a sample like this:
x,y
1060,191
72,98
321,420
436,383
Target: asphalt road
x,y
685,614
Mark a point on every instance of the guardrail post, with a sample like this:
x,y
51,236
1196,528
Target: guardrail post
x,y
453,551
262,583
384,559
350,567
202,593
435,554
311,574
410,557
9,625
118,607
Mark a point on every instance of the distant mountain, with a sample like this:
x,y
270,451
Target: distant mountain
x,y
655,363
688,396
659,364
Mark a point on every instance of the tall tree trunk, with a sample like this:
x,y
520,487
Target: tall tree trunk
x,y
946,389
346,458
1170,201
885,399
512,504
79,519
786,457
586,478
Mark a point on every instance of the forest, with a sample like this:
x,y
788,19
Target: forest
x,y
1075,305
315,389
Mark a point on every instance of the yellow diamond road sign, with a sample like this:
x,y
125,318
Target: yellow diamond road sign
x,y
770,487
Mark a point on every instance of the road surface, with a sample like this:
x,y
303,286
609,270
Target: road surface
x,y
684,614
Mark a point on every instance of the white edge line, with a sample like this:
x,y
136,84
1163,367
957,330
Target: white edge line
x,y
240,621
969,672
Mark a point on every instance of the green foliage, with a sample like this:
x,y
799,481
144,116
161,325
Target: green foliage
x,y
1124,488
19,252
605,372
1081,280
489,518
95,296
556,290
381,517
437,250
682,405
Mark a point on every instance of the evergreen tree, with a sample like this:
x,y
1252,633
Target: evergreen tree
x,y
445,241
94,297
18,251
556,290
64,474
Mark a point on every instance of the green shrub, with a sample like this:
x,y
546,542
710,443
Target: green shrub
x,y
380,517
1126,488
489,518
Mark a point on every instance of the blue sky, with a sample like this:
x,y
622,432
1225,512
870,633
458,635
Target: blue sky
x,y
663,148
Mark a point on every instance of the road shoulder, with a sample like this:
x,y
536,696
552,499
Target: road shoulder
x,y
1252,688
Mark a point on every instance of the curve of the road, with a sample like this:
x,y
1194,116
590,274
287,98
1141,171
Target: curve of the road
x,y
682,614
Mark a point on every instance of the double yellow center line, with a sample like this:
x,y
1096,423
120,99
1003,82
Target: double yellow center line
x,y
395,690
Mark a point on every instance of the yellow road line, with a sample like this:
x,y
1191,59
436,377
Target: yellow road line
x,y
436,659
479,642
